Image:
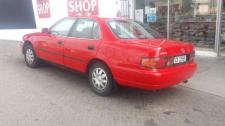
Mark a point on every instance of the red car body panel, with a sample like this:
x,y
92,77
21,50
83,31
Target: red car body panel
x,y
123,57
76,54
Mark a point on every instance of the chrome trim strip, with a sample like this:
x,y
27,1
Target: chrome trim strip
x,y
73,58
54,53
64,56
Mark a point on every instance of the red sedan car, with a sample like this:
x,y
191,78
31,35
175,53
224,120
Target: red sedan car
x,y
110,51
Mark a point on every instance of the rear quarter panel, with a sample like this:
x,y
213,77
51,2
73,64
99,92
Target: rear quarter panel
x,y
124,58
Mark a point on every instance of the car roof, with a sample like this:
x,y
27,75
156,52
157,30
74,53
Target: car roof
x,y
99,18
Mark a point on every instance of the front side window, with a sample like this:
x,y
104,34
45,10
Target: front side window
x,y
63,27
128,30
85,28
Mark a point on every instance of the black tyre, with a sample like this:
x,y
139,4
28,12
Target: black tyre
x,y
101,79
30,57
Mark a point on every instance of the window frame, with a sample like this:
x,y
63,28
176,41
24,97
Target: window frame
x,y
95,21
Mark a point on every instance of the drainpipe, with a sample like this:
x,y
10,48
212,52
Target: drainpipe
x,y
168,20
133,9
218,26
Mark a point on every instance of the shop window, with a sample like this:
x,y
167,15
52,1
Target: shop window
x,y
155,15
193,21
223,27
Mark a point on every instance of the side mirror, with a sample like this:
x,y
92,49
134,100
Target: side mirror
x,y
45,30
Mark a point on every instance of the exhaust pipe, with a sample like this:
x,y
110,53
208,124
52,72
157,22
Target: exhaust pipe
x,y
186,81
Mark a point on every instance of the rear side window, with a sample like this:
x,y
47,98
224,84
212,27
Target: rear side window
x,y
85,28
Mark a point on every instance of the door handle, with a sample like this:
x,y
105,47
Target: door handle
x,y
91,47
60,42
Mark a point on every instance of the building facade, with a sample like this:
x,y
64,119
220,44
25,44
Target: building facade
x,y
201,22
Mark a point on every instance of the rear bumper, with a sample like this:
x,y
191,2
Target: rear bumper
x,y
153,80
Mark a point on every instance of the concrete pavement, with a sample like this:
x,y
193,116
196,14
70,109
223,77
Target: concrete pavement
x,y
210,76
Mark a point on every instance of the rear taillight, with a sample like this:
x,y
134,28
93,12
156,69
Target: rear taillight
x,y
163,62
154,63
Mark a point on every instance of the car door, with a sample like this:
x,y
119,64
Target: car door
x,y
82,44
51,45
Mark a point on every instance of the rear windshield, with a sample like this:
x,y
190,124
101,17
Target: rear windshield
x,y
129,30
151,31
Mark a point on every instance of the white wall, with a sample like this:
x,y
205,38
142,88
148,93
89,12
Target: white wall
x,y
58,9
107,8
15,34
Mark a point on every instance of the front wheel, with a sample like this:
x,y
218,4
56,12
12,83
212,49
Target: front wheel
x,y
101,79
30,57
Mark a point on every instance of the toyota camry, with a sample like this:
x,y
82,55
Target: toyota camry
x,y
112,52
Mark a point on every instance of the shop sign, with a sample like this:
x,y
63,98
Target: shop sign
x,y
152,11
200,1
151,17
139,15
82,7
147,9
43,8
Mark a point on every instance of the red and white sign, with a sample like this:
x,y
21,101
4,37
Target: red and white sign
x,y
43,8
82,7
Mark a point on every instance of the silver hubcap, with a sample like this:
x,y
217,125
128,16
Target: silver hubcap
x,y
99,78
29,56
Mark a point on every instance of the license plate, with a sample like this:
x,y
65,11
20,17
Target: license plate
x,y
180,59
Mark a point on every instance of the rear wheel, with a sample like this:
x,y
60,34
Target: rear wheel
x,y
101,79
30,57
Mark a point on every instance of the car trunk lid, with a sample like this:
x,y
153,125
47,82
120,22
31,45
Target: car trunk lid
x,y
167,47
